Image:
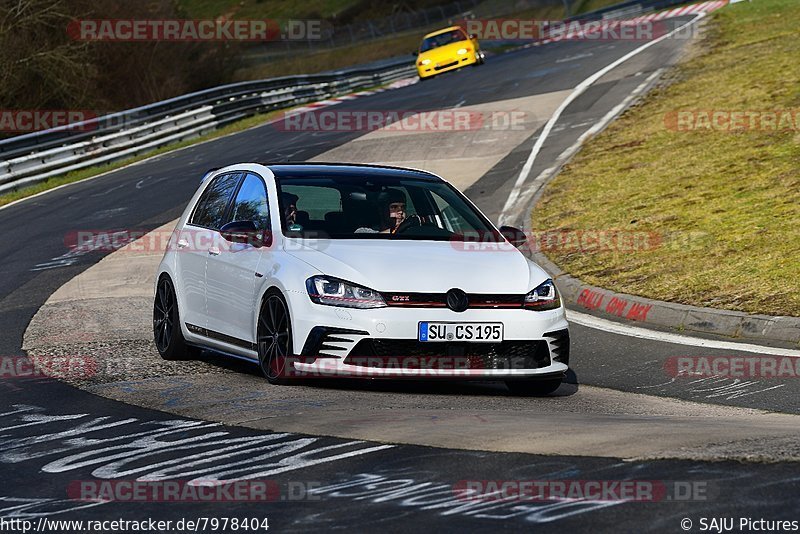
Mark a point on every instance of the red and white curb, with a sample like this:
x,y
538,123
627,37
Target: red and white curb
x,y
693,9
611,311
403,82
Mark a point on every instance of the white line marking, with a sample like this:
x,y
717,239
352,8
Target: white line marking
x,y
579,90
605,325
310,463
562,158
573,58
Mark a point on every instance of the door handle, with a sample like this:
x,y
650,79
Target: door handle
x,y
214,251
183,243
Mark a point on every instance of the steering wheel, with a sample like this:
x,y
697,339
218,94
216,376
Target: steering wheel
x,y
411,222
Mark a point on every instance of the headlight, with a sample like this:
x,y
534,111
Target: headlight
x,y
335,292
461,51
544,297
425,62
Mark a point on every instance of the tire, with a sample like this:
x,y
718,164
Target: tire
x,y
274,338
533,388
167,333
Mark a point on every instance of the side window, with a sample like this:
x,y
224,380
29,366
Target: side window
x,y
452,219
210,211
251,203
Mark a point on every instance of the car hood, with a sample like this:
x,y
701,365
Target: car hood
x,y
421,266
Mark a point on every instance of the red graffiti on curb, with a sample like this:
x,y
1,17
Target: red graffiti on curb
x,y
617,306
590,299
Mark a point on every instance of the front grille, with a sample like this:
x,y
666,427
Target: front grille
x,y
496,301
446,65
439,300
424,300
411,354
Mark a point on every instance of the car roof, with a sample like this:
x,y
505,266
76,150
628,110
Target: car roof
x,y
443,30
353,170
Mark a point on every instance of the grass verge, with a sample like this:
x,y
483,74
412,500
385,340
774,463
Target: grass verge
x,y
721,206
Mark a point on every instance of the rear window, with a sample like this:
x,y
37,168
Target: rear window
x,y
251,203
210,210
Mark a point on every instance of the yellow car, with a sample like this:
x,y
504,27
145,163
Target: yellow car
x,y
447,49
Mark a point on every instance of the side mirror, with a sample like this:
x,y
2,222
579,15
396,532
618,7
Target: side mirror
x,y
515,236
473,36
245,232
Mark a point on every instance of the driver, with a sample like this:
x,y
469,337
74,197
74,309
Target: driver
x,y
393,214
393,210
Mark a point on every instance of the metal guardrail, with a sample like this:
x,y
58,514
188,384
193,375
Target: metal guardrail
x,y
35,157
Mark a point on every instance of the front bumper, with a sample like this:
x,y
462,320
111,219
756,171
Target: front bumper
x,y
382,342
431,69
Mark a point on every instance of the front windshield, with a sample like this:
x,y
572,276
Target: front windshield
x,y
347,207
435,41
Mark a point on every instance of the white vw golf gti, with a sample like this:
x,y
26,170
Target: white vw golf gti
x,y
325,270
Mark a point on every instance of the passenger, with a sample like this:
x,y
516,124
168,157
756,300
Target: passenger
x,y
289,208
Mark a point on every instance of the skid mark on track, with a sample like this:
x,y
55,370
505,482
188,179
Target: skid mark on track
x,y
713,387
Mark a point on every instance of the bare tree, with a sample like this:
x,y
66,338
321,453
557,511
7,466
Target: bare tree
x,y
43,67
40,67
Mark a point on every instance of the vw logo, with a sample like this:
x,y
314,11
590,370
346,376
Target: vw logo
x,y
457,300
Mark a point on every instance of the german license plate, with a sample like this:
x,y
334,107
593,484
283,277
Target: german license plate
x,y
472,332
